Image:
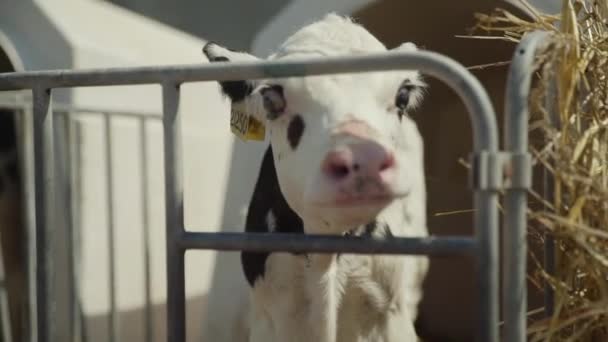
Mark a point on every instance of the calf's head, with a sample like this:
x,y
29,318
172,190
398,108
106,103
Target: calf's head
x,y
344,147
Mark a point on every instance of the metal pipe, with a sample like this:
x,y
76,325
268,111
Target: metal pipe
x,y
296,243
44,198
486,224
113,320
143,140
176,297
63,296
74,131
434,64
516,202
25,147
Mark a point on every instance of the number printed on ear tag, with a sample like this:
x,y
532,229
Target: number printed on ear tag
x,y
245,126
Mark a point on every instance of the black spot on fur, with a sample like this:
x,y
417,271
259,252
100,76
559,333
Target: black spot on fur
x,y
267,196
371,227
236,90
295,131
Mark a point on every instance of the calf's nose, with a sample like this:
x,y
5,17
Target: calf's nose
x,y
368,160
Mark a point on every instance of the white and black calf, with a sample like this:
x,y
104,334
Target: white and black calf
x,y
344,158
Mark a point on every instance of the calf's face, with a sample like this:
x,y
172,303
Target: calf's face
x,y
343,145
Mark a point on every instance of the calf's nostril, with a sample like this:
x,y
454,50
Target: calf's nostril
x,y
338,165
388,162
339,171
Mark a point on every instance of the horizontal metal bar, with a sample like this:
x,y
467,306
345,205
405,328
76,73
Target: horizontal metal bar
x,y
444,68
219,71
22,101
296,243
425,61
79,111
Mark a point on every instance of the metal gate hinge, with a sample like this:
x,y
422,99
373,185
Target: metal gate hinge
x,y
500,171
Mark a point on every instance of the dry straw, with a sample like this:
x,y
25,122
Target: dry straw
x,y
569,134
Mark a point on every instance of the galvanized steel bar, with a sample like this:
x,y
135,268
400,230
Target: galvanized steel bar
x,y
74,131
294,243
27,166
516,203
44,198
113,319
63,295
143,141
176,297
486,224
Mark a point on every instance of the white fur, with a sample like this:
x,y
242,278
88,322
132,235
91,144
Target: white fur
x,y
349,298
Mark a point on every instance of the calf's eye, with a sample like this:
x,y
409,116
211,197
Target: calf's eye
x,y
402,99
274,101
403,95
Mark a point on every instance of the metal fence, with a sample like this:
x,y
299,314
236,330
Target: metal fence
x,y
488,178
67,181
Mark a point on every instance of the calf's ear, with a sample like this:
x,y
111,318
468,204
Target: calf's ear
x,y
235,90
242,93
413,84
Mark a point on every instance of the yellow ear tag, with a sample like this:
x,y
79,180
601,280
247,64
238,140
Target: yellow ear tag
x,y
245,126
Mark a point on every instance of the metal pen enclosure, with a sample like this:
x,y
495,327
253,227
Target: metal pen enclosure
x,y
487,179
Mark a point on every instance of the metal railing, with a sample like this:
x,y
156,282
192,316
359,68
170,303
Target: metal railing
x,y
67,178
487,179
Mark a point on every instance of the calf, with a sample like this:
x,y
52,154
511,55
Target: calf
x,y
344,158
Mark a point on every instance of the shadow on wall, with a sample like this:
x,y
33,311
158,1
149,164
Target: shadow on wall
x,y
131,327
448,309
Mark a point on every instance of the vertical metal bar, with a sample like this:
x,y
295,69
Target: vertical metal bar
x,y
485,202
486,231
74,132
44,193
63,293
63,143
25,145
113,321
516,204
146,228
176,298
